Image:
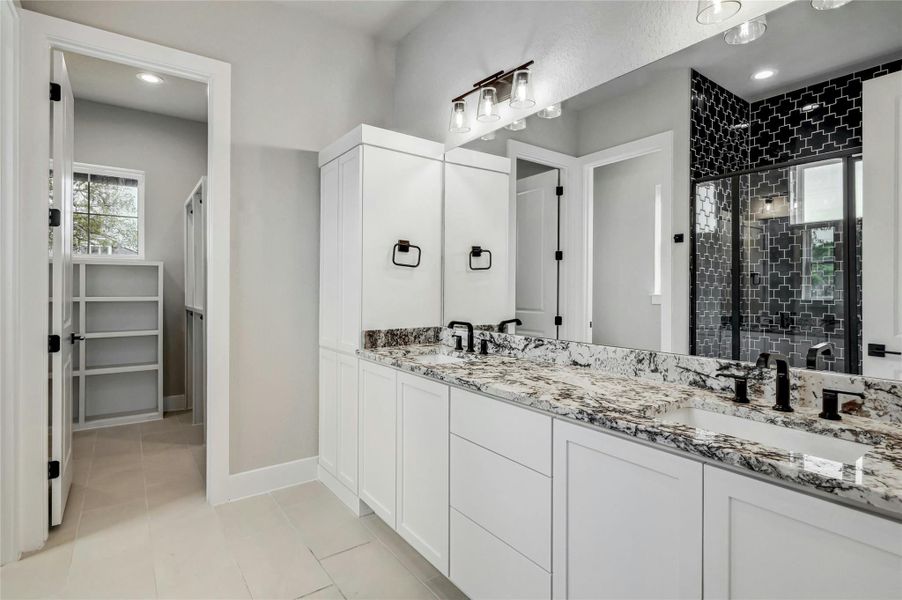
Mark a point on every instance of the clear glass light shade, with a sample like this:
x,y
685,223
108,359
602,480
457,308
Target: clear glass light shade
x,y
459,122
521,90
517,125
746,32
828,4
550,112
487,110
488,137
716,11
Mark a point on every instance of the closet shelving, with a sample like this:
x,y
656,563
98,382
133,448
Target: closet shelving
x,y
195,300
118,308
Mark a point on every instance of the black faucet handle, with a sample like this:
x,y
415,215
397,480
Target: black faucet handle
x,y
458,343
830,407
741,388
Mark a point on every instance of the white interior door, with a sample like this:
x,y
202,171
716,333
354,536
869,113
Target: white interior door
x,y
882,224
537,226
62,150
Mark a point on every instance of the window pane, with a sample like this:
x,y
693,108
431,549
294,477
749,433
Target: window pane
x,y
113,235
80,233
818,193
114,196
80,190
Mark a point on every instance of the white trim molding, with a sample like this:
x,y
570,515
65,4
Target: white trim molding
x,y
9,281
40,35
266,479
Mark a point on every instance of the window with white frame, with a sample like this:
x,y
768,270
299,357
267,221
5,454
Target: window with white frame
x,y
108,212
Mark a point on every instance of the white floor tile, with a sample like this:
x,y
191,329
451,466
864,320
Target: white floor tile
x,y
370,571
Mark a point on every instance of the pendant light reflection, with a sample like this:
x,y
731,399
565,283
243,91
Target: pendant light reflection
x,y
521,90
487,110
716,11
828,4
488,137
518,125
550,112
746,32
459,122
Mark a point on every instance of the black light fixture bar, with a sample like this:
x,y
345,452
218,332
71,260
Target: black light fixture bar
x,y
496,78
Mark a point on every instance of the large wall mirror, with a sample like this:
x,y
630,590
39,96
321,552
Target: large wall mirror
x,y
724,201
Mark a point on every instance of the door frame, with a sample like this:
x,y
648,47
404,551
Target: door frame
x,y
571,266
659,142
39,34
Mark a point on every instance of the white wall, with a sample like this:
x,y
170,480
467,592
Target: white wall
x,y
298,83
576,46
173,155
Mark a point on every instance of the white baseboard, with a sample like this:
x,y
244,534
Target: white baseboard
x,y
348,497
176,402
267,479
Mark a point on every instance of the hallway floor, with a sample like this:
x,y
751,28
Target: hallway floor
x,y
137,526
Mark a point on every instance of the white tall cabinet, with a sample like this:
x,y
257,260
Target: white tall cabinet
x,y
380,268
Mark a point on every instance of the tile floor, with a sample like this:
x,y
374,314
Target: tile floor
x,y
137,526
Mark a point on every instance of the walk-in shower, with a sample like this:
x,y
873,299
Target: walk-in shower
x,y
777,262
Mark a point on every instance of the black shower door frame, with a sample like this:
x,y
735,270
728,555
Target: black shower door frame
x,y
851,332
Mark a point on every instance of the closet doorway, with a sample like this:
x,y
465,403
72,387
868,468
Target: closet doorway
x,y
128,273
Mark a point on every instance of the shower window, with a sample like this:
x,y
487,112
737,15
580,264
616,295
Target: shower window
x,y
819,264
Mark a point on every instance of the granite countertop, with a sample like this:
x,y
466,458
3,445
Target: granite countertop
x,y
634,407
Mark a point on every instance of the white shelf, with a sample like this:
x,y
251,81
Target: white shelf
x,y
113,369
119,334
118,299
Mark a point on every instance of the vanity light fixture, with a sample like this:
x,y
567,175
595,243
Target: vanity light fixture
x,y
459,123
742,125
828,4
518,125
716,11
150,78
487,110
514,85
764,74
746,32
550,112
521,90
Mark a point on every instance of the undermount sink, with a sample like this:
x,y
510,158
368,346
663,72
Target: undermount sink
x,y
792,440
438,359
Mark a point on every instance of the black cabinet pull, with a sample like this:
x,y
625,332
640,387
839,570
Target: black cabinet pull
x,y
404,246
476,252
880,351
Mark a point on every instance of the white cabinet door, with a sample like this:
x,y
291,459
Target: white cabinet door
x,y
423,467
402,200
348,298
764,541
377,439
328,410
329,256
346,430
627,519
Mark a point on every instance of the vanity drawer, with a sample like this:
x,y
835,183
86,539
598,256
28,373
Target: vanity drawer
x,y
517,433
509,500
484,567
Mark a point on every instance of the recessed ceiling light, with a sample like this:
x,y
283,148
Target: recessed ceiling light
x,y
149,78
810,107
764,74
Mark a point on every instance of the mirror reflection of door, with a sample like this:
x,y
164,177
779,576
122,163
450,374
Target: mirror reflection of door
x,y
625,293
536,239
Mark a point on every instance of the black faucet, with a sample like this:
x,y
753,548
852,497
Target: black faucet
x,y
824,348
766,359
469,327
502,326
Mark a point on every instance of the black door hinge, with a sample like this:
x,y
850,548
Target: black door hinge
x,y
56,217
558,255
56,92
53,469
53,343
559,190
559,320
